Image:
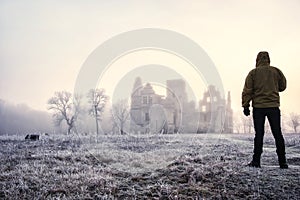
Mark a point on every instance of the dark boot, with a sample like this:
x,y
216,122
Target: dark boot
x,y
255,161
254,164
282,161
283,166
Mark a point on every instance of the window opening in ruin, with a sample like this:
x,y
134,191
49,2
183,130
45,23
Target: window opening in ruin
x,y
144,99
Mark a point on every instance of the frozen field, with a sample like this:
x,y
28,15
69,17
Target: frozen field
x,y
205,166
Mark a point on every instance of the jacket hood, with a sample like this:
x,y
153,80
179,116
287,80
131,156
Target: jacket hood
x,y
262,59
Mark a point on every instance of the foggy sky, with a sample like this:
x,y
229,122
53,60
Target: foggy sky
x,y
44,43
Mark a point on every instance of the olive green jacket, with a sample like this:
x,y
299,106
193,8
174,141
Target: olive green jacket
x,y
262,87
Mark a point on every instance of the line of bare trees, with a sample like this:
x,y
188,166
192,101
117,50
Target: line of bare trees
x,y
290,123
67,108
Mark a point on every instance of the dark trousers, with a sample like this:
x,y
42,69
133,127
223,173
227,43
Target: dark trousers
x,y
273,115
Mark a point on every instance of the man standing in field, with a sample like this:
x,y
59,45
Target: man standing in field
x,y
262,87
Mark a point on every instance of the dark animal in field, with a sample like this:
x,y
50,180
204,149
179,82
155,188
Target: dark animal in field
x,y
32,137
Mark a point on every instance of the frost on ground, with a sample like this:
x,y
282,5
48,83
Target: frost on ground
x,y
207,166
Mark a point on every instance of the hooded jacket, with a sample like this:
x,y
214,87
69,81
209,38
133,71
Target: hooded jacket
x,y
263,84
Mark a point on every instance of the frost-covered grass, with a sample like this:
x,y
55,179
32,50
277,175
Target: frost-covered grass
x,y
186,166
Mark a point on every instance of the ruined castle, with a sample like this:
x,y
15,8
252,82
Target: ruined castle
x,y
153,113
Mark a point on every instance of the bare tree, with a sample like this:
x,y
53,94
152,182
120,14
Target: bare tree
x,y
295,121
120,111
97,100
65,108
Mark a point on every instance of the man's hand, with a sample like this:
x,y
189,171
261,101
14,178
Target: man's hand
x,y
246,111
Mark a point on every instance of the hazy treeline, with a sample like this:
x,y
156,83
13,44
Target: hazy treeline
x,y
20,118
290,123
